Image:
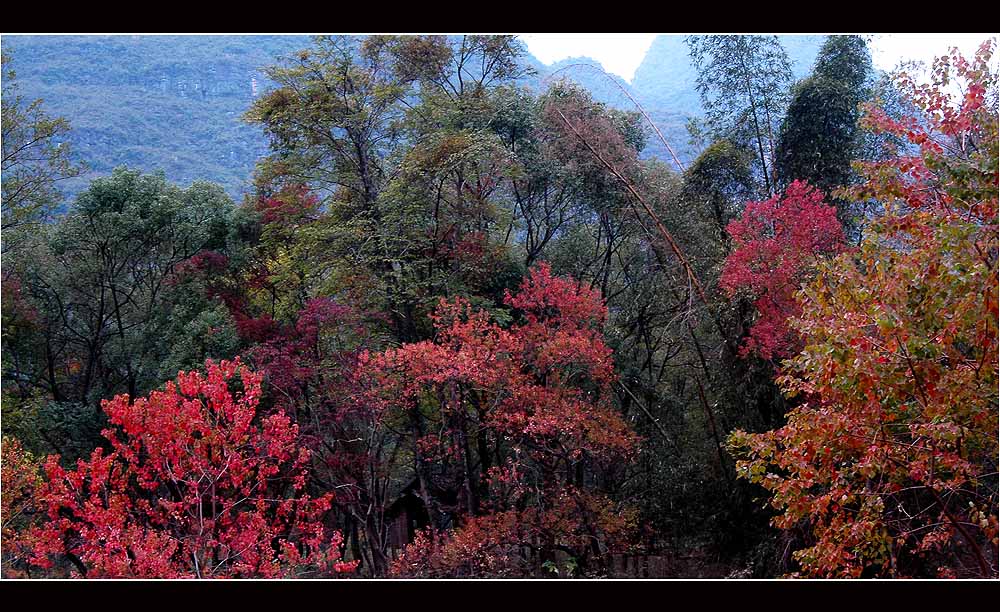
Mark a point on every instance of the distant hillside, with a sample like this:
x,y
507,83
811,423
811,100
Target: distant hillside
x,y
175,102
666,78
153,102
665,85
593,79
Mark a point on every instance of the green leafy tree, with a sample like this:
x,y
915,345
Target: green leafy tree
x,y
743,82
820,137
330,121
35,157
393,134
100,287
720,180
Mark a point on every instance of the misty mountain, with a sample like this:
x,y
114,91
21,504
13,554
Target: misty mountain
x,y
176,102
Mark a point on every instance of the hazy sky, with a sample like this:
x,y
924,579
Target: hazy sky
x,y
621,54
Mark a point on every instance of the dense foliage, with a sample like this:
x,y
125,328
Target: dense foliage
x,y
776,246
543,386
890,460
470,322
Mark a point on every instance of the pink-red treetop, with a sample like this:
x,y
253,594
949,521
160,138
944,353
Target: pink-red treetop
x,y
777,244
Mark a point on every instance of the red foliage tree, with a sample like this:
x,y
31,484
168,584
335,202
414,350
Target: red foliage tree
x,y
493,545
777,244
543,388
20,476
889,466
292,358
308,367
305,347
196,484
288,209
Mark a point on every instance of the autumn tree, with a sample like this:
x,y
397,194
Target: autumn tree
x,y
777,245
514,421
21,475
196,484
889,462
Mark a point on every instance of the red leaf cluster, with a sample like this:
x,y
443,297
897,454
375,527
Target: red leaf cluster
x,y
196,484
543,385
777,244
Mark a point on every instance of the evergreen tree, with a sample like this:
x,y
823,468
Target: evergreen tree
x,y
819,136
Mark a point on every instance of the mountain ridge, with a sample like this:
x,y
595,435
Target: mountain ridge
x,y
176,102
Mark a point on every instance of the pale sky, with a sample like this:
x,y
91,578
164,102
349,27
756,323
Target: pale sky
x,y
621,54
